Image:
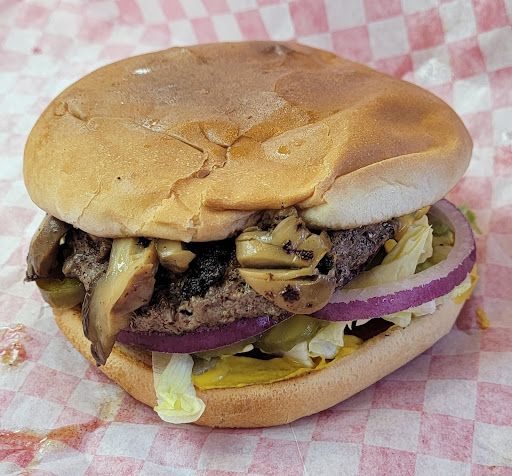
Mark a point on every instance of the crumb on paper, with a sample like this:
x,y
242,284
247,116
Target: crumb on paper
x,y
482,319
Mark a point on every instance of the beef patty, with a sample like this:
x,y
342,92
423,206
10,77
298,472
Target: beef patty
x,y
86,257
211,292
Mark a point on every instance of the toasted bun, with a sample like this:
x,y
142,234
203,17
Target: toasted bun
x,y
190,143
285,401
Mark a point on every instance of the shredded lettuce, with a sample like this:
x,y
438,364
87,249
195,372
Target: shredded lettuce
x,y
460,290
402,318
413,248
442,243
327,342
176,395
440,253
425,308
300,353
459,299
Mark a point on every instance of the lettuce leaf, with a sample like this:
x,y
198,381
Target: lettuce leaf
x,y
413,248
327,342
176,395
300,353
440,253
402,318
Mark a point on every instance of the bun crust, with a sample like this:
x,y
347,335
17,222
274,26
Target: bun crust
x,y
281,402
191,143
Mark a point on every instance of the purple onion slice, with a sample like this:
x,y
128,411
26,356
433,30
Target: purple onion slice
x,y
432,283
204,338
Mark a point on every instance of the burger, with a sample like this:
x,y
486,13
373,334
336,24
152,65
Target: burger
x,y
242,234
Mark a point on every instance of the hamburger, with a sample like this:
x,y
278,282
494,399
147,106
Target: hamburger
x,y
242,234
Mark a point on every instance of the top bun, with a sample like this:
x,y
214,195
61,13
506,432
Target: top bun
x,y
191,143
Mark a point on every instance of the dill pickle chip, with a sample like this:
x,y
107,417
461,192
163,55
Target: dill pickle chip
x,y
61,293
287,334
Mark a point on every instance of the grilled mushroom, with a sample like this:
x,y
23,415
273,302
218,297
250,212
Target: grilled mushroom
x,y
173,255
44,248
281,265
127,285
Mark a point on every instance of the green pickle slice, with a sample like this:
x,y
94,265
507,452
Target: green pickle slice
x,y
61,293
287,334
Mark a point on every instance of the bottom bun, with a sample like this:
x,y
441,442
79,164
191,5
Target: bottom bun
x,y
280,402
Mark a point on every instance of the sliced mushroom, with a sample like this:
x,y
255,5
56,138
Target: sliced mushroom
x,y
281,265
291,229
44,248
250,274
173,255
289,245
61,293
299,291
127,285
257,254
317,245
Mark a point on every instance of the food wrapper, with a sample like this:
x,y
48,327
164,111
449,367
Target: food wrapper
x,y
449,411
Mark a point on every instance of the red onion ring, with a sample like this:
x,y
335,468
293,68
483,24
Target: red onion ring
x,y
434,282
203,338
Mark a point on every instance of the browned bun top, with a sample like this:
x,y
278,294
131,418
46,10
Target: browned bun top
x,y
190,143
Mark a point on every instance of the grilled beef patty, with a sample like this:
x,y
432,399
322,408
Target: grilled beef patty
x,y
211,292
86,257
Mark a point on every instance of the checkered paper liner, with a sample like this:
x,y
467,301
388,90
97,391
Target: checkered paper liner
x,y
448,412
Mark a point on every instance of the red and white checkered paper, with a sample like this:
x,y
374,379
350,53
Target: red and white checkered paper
x,y
448,412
